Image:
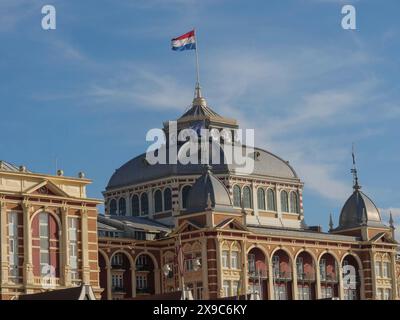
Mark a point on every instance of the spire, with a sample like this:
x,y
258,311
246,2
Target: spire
x,y
356,186
330,222
391,221
199,100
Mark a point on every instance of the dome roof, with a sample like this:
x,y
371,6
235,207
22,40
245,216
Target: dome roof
x,y
358,210
208,191
138,170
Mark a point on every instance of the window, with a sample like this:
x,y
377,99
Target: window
x,y
386,294
135,205
276,266
113,207
158,201
141,261
284,201
326,292
225,255
117,260
185,195
141,281
300,268
271,200
235,288
73,246
322,269
303,292
144,203
280,292
378,269
44,243
199,291
385,269
237,196
117,281
122,207
294,202
167,199
261,199
227,288
252,263
247,197
13,244
235,260
379,294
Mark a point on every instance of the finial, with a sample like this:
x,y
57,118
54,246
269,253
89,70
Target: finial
x,y
356,186
197,91
391,221
330,222
209,203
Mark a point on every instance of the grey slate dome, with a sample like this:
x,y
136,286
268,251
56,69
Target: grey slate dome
x,y
359,210
208,191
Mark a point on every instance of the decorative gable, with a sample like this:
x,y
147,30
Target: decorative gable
x,y
46,188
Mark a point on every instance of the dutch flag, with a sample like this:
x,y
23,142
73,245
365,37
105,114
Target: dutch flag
x,y
186,41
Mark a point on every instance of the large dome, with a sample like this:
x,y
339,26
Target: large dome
x,y
358,210
138,170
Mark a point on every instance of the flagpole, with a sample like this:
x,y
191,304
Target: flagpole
x,y
198,93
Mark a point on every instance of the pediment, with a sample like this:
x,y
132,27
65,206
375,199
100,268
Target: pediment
x,y
231,224
46,188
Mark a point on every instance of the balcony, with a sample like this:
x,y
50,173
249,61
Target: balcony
x,y
282,275
263,274
46,281
329,278
143,267
306,276
143,290
117,289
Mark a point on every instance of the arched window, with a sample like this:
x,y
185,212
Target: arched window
x,y
185,195
167,199
247,197
144,203
271,206
294,202
122,207
284,201
135,205
113,207
158,201
237,196
46,252
261,198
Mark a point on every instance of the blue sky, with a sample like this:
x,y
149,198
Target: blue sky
x,y
87,92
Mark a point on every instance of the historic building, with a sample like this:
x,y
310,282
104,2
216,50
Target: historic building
x,y
236,231
48,232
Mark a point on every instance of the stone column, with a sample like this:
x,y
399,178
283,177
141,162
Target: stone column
x,y
109,283
219,267
151,203
28,266
245,280
294,281
85,247
133,280
65,271
318,282
278,202
254,198
395,294
271,293
204,267
157,280
3,243
341,288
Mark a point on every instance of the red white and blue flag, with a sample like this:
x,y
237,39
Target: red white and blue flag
x,y
186,41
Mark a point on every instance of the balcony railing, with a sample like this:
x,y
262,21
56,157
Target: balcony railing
x,y
258,274
118,289
142,267
282,275
142,290
329,277
46,281
306,276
